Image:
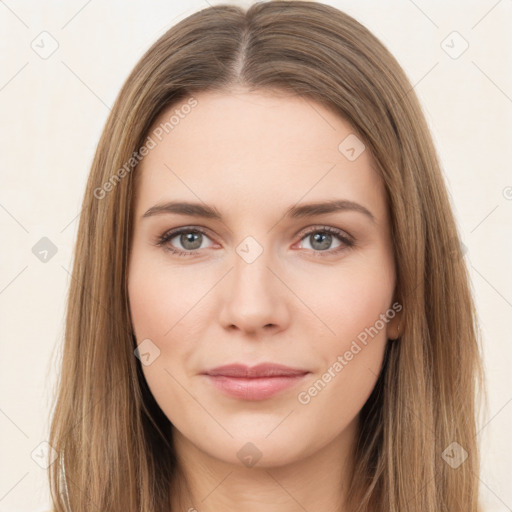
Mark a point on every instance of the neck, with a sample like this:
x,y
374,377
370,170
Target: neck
x,y
317,482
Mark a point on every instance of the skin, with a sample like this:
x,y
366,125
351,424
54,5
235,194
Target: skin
x,y
253,154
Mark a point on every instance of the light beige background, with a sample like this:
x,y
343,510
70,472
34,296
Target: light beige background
x,y
53,110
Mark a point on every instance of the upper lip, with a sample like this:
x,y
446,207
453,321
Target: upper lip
x,y
260,370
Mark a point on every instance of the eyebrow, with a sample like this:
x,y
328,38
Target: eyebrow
x,y
295,212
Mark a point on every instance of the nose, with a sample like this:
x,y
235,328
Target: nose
x,y
254,300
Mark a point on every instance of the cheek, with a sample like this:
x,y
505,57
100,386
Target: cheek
x,y
160,310
170,308
350,300
356,307
162,299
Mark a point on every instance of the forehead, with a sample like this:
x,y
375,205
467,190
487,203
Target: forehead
x,y
256,149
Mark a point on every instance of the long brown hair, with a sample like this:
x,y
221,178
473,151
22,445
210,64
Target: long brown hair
x,y
113,440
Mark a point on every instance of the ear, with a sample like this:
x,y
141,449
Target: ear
x,y
395,325
394,328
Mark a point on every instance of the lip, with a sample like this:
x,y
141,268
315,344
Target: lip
x,y
258,371
254,383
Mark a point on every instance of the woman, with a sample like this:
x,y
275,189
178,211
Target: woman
x,y
270,309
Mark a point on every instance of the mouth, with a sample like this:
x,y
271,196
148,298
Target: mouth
x,y
254,383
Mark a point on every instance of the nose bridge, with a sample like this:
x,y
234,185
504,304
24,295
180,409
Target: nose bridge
x,y
253,299
252,279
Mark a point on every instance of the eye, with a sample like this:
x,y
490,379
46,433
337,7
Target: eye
x,y
191,240
321,239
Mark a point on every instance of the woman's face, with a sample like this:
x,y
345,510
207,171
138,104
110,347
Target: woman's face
x,y
256,279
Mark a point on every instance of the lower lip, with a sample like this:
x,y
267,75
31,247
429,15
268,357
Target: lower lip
x,y
256,388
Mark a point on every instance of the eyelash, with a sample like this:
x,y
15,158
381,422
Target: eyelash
x,y
346,241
